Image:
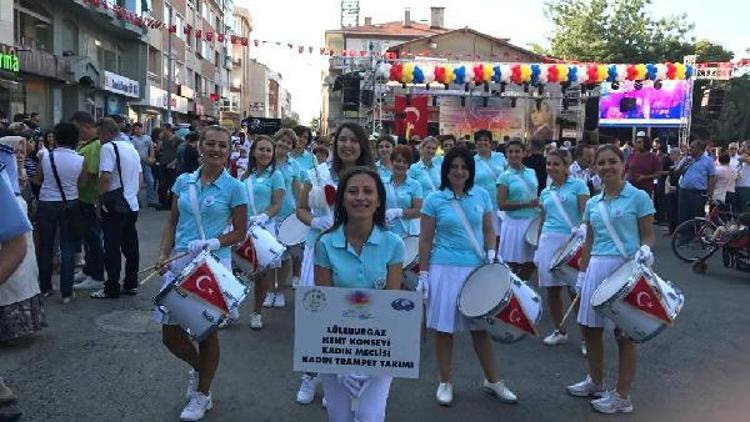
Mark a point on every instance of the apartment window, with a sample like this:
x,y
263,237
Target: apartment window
x,y
165,65
198,84
107,59
216,58
179,22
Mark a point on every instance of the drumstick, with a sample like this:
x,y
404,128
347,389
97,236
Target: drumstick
x,y
153,267
150,276
570,309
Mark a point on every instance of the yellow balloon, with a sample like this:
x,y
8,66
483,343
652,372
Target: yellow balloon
x,y
562,72
488,72
601,73
525,73
680,70
640,72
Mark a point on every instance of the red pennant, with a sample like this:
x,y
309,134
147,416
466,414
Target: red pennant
x,y
209,36
220,37
310,50
245,40
187,30
514,315
198,33
575,261
233,39
203,284
300,49
173,29
246,251
643,298
330,192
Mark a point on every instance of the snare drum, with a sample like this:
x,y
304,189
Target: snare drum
x,y
638,301
259,251
503,304
566,262
532,232
232,288
411,251
197,317
292,231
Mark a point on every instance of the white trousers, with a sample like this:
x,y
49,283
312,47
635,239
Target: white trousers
x,y
371,406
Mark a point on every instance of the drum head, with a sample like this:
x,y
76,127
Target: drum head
x,y
615,282
485,288
292,231
411,250
532,233
567,251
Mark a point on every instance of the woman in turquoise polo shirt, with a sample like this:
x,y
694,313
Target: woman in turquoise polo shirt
x,y
517,198
350,148
358,252
447,255
489,165
562,203
426,171
221,199
404,196
284,141
301,155
384,165
265,191
630,213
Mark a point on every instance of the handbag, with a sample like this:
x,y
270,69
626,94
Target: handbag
x,y
72,209
114,200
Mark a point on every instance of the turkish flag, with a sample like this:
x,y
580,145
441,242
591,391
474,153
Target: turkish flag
x,y
220,37
644,298
246,251
198,33
411,119
202,283
233,39
209,36
575,261
514,315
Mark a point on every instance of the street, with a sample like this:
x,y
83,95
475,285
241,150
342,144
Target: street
x,y
104,361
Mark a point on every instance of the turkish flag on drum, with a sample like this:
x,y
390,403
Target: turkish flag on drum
x,y
644,298
411,116
514,315
246,251
575,261
202,283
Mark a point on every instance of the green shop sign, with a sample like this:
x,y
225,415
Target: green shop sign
x,y
9,59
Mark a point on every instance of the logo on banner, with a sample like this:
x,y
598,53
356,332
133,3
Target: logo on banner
x,y
402,304
202,283
644,298
315,300
514,315
411,116
360,301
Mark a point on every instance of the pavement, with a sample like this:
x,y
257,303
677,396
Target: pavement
x,y
103,360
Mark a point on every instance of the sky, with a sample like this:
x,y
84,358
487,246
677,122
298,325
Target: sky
x,y
304,22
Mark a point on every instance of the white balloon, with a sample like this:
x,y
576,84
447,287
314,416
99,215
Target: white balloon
x,y
661,71
505,73
622,72
429,73
384,70
543,75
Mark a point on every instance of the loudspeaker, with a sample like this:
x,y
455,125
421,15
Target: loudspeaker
x,y
350,92
433,128
592,114
627,104
367,97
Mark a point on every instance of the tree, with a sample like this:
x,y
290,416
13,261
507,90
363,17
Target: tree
x,y
619,31
707,51
315,124
288,122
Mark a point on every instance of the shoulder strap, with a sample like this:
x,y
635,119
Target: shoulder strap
x,y
57,177
194,206
560,208
119,168
429,177
250,194
526,185
467,227
487,166
611,230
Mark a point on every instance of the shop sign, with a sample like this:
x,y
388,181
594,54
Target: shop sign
x,y
157,97
9,61
185,91
121,85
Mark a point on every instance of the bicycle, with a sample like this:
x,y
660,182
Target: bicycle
x,y
692,239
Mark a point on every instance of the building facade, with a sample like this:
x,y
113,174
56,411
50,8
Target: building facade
x,y
237,106
265,91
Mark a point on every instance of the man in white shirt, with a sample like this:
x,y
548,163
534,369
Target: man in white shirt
x,y
582,169
144,146
118,225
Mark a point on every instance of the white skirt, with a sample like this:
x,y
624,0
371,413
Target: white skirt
x,y
307,272
600,267
446,282
513,246
549,244
175,268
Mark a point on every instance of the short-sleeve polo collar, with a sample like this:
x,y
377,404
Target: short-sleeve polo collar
x,y
338,239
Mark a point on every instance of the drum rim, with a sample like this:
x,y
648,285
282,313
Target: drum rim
x,y
557,258
416,257
537,219
505,299
292,217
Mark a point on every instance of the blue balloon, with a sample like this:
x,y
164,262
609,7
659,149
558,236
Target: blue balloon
x,y
689,72
572,74
460,73
612,73
497,76
418,75
651,71
535,72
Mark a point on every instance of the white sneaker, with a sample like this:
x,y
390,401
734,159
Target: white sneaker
x,y
500,390
197,407
556,338
444,394
306,393
280,301
324,403
586,388
256,322
611,403
295,281
584,351
268,302
192,384
89,284
79,276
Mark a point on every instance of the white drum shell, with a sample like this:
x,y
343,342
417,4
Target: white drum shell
x,y
486,291
411,251
558,265
532,233
198,318
268,250
531,303
608,299
292,231
233,290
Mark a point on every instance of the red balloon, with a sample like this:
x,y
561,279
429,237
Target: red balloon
x,y
515,74
671,70
397,70
591,72
440,74
479,74
553,75
631,72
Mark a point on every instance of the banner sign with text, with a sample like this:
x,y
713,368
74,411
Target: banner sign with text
x,y
369,332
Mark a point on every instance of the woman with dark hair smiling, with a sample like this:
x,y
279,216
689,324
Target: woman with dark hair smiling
x,y
314,208
358,252
384,165
456,237
404,196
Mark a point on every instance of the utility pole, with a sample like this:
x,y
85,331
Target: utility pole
x,y
170,76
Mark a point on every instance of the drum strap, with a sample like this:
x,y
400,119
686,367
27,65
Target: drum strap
x,y
195,208
250,194
560,208
488,167
611,230
469,233
429,177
